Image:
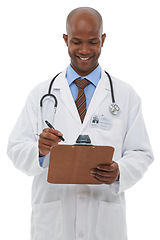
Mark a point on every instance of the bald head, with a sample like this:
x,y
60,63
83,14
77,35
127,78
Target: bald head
x,y
84,14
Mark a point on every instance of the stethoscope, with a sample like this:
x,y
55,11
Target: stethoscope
x,y
114,108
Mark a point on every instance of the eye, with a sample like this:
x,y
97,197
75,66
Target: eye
x,y
76,42
94,42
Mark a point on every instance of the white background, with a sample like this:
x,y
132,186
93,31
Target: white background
x,y
32,50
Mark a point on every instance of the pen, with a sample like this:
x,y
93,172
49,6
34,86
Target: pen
x,y
50,126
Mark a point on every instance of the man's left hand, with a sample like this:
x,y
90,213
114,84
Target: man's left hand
x,y
106,174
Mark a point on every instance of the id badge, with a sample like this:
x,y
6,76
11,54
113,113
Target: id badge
x,y
100,121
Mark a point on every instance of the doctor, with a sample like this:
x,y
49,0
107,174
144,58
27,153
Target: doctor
x,y
90,212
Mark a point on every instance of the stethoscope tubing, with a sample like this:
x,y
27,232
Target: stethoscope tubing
x,y
111,85
50,86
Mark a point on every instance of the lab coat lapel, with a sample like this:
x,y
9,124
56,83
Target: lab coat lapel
x,y
101,92
66,95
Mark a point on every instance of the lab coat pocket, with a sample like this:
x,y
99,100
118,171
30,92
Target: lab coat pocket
x,y
47,221
111,223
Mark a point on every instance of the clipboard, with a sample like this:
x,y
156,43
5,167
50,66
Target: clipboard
x,y
71,164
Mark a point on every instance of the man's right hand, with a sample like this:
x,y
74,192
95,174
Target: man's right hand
x,y
47,139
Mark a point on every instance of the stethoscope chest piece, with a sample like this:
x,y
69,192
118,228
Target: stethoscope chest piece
x,y
114,108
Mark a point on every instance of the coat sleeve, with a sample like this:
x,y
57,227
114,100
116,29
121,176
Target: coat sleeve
x,y
136,150
23,144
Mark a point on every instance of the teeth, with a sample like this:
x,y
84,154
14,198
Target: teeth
x,y
84,59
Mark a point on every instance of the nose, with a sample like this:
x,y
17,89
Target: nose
x,y
84,49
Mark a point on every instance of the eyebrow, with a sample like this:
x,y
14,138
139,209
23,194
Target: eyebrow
x,y
78,39
91,39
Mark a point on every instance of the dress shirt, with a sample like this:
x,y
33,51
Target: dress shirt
x,y
93,77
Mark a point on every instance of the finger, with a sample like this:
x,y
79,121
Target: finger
x,y
102,178
101,173
48,142
105,181
105,176
105,167
109,168
52,131
49,136
44,148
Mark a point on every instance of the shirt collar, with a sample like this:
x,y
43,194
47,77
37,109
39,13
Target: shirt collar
x,y
93,77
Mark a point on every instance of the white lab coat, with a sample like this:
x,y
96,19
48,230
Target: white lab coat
x,y
90,212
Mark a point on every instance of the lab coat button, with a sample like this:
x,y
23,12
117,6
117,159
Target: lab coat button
x,y
81,235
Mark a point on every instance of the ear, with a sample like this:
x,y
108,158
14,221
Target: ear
x,y
65,37
103,38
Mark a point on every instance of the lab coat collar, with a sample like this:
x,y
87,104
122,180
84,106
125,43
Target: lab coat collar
x,y
61,84
58,83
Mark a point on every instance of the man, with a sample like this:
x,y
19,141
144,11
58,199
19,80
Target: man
x,y
89,212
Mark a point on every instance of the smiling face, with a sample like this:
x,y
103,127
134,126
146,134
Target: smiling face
x,y
84,40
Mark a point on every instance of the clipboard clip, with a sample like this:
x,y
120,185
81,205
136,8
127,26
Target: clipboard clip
x,y
83,140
